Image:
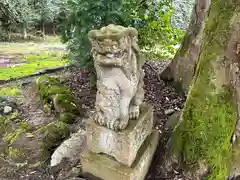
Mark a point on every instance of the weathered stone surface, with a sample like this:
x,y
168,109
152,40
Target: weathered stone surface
x,y
118,65
69,148
123,145
107,168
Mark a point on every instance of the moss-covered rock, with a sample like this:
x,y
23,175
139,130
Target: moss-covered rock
x,y
56,97
34,146
51,137
5,122
11,129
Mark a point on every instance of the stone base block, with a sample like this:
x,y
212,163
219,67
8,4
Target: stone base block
x,y
107,168
122,145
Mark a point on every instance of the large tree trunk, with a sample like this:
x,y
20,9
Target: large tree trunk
x,y
181,70
211,112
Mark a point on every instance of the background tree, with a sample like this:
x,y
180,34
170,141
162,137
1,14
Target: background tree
x,y
81,17
151,18
9,16
182,68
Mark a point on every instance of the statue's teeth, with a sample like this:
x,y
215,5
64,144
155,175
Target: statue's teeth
x,y
110,55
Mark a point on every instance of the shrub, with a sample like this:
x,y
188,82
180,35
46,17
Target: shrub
x,y
151,18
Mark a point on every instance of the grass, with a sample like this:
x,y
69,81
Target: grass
x,y
41,59
27,46
9,91
35,62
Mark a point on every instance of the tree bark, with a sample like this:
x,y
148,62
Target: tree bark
x,y
24,31
182,69
9,34
43,28
210,116
54,29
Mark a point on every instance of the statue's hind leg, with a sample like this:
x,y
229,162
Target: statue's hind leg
x,y
124,116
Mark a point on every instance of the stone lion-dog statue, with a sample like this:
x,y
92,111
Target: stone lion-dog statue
x,y
120,75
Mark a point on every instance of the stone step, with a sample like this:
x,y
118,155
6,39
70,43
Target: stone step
x,y
107,168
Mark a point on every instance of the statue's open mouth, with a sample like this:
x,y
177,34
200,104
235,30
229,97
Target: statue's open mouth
x,y
111,55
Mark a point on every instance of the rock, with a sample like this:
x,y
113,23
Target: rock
x,y
75,172
169,111
7,109
7,105
69,148
173,120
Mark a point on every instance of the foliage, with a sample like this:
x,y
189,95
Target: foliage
x,y
151,18
153,21
82,16
182,14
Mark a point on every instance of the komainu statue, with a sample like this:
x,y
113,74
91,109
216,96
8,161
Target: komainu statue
x,y
119,75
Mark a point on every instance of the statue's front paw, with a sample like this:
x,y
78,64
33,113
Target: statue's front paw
x,y
134,112
99,118
123,122
118,124
113,125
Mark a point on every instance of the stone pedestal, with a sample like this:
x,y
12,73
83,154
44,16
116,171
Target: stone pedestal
x,y
107,168
123,155
122,145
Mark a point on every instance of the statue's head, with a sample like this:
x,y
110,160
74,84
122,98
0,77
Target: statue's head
x,y
112,39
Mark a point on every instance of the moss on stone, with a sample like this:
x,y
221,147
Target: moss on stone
x,y
48,86
5,122
53,135
67,117
11,137
209,116
114,32
65,103
15,154
11,130
57,97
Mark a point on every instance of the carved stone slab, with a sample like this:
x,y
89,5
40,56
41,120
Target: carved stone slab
x,y
106,168
122,145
